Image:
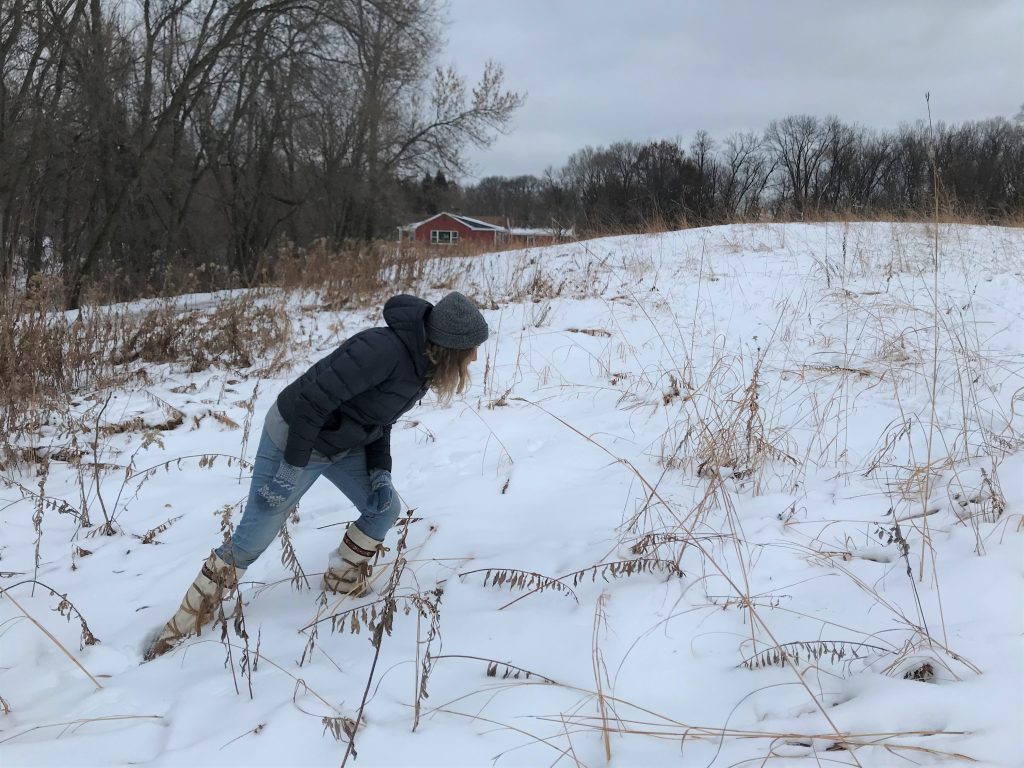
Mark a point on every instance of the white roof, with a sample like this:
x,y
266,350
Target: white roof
x,y
478,224
475,223
541,231
465,220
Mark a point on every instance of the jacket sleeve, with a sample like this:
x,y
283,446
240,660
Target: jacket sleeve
x,y
378,453
351,369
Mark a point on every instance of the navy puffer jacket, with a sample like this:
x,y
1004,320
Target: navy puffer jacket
x,y
352,397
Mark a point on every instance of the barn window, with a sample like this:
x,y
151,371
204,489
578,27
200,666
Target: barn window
x,y
443,236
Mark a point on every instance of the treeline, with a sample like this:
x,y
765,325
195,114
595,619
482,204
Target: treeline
x,y
141,139
146,141
799,167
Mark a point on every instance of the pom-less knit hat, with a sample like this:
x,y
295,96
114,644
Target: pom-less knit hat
x,y
456,323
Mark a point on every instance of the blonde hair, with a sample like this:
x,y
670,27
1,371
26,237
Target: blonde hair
x,y
449,371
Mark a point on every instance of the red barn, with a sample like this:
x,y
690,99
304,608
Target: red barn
x,y
452,228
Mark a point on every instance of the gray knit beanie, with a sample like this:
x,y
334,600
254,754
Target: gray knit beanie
x,y
456,323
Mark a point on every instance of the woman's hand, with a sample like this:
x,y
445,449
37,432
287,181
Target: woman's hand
x,y
281,486
381,491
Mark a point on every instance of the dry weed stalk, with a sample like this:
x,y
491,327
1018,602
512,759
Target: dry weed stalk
x,y
381,626
517,579
812,650
839,741
501,669
256,731
625,568
601,674
289,558
342,728
73,725
248,658
534,583
568,753
149,537
933,399
37,517
250,407
48,503
64,608
428,607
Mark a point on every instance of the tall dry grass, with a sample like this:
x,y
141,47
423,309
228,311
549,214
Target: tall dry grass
x,y
50,359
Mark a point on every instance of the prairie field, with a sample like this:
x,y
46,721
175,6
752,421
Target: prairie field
x,y
729,496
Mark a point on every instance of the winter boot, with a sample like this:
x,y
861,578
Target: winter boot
x,y
198,606
349,569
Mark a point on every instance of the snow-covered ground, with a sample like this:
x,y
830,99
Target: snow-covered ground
x,y
729,445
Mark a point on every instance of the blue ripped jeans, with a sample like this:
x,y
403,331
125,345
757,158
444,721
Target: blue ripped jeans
x,y
262,522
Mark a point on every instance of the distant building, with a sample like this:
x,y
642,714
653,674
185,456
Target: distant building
x,y
452,228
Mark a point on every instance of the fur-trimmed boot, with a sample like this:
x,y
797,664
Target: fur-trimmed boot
x,y
199,604
349,570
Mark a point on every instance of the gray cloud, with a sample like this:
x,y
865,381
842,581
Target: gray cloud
x,y
599,71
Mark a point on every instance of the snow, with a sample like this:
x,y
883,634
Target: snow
x,y
542,231
612,418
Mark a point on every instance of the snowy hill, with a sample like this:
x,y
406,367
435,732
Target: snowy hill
x,y
716,496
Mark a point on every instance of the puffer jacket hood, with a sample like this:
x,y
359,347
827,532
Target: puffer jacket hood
x,y
406,315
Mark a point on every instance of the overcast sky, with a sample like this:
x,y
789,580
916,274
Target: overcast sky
x,y
600,71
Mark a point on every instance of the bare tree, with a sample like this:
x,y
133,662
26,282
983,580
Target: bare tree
x,y
410,118
745,174
35,50
799,144
702,153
